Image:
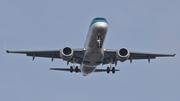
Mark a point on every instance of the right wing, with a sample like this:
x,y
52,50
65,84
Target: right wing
x,y
78,54
43,53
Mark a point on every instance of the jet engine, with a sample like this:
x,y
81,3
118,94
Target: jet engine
x,y
122,54
66,53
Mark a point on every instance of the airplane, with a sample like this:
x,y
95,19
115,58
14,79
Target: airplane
x,y
93,53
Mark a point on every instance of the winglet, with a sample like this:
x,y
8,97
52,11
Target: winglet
x,y
174,55
7,51
176,52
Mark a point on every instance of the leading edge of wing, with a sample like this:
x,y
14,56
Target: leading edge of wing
x,y
37,51
33,51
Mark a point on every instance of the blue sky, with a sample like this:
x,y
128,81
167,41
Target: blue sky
x,y
139,25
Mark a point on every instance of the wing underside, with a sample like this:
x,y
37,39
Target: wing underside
x,y
111,54
78,54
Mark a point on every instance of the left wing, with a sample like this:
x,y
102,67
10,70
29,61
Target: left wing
x,y
111,54
78,54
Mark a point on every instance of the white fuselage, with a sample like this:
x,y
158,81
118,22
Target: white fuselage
x,y
94,53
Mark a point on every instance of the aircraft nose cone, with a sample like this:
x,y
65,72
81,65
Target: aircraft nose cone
x,y
101,26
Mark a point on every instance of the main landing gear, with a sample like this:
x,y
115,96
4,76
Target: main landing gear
x,y
111,69
76,69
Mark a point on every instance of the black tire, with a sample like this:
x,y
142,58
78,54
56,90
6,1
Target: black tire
x,y
76,69
71,69
113,70
108,70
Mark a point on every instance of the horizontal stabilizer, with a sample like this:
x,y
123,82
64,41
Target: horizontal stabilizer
x,y
104,70
68,69
61,69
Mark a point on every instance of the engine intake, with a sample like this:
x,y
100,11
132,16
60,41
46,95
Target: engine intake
x,y
122,54
66,53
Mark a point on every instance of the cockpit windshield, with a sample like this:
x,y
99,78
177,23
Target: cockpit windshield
x,y
98,19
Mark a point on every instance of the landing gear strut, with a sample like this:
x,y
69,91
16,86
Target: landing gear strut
x,y
74,68
99,41
110,68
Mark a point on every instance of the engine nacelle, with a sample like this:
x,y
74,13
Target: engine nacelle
x,y
66,53
122,54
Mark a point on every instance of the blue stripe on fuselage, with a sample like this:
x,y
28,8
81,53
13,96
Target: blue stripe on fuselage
x,y
98,19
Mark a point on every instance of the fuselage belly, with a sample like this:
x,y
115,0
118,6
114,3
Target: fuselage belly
x,y
94,52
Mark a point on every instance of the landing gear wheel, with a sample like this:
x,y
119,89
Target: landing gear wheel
x,y
113,70
76,69
71,69
108,70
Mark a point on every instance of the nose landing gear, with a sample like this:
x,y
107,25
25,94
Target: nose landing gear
x,y
99,41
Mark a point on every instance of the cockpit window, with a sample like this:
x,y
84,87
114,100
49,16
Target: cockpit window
x,y
99,19
103,19
96,19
